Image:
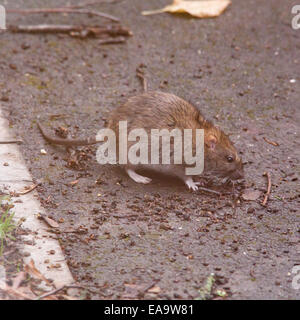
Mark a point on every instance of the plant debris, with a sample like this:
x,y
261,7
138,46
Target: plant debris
x,y
34,272
61,132
27,190
28,288
112,41
199,9
74,30
267,174
273,143
141,75
206,291
49,221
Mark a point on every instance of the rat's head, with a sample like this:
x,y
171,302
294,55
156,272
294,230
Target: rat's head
x,y
221,157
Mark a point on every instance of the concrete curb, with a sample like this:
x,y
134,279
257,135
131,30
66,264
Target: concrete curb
x,y
38,242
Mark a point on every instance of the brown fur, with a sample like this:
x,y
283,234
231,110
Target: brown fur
x,y
158,110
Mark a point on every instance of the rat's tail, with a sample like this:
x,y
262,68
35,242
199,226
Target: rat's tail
x,y
66,142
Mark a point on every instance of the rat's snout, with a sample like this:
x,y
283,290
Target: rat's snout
x,y
238,173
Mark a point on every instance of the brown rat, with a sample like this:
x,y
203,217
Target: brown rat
x,y
158,110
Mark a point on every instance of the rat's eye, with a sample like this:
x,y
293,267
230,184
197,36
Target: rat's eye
x,y
229,158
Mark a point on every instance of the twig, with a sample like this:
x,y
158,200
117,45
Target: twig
x,y
31,188
11,141
57,116
269,188
50,293
63,10
273,143
73,30
209,190
112,41
141,76
125,216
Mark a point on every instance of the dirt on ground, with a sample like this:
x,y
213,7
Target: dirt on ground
x,y
161,241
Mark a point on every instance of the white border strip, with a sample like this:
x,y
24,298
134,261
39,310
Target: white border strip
x,y
38,242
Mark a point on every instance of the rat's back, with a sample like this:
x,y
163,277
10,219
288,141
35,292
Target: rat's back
x,y
155,110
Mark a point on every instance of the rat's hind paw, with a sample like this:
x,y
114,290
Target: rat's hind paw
x,y
137,177
191,184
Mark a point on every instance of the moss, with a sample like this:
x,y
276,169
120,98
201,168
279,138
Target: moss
x,y
36,82
250,114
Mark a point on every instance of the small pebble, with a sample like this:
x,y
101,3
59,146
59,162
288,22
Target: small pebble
x,y
250,210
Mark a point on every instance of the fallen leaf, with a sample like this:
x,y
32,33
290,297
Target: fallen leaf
x,y
74,182
34,272
154,289
52,223
199,9
251,195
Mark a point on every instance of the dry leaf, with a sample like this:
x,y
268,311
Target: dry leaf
x,y
34,272
72,183
154,289
52,223
251,195
199,9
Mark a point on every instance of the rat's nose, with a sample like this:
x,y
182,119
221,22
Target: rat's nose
x,y
238,174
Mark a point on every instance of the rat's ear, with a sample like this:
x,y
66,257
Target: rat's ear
x,y
211,141
200,118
